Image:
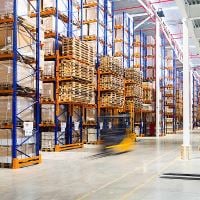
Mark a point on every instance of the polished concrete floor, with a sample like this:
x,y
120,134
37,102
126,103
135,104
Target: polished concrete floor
x,y
76,175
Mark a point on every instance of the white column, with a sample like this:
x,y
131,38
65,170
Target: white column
x,y
185,151
158,75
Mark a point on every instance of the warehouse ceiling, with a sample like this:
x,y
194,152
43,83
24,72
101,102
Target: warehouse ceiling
x,y
174,11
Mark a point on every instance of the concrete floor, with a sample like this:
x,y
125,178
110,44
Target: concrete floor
x,y
73,175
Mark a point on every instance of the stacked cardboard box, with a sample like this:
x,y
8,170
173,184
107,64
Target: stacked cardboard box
x,y
48,92
22,103
25,80
25,75
111,82
148,96
48,114
48,140
93,25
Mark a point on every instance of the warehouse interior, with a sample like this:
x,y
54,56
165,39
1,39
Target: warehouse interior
x,y
99,99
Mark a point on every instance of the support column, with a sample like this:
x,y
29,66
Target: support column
x,y
185,149
158,75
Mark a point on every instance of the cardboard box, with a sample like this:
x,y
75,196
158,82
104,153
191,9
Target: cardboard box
x,y
49,68
6,152
6,137
22,104
48,91
7,7
49,24
48,113
25,41
24,73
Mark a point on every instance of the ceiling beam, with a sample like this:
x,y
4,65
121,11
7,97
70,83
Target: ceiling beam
x,y
184,13
139,15
142,22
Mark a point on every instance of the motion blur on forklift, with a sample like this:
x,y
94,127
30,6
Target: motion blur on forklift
x,y
117,134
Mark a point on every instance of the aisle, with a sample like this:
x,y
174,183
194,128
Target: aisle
x,y
135,175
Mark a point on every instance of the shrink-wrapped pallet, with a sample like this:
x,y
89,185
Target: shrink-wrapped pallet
x,y
24,108
25,74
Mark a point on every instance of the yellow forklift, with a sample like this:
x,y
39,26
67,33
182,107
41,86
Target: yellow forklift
x,y
117,132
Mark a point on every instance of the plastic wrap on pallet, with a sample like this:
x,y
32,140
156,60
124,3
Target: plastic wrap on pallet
x,y
25,75
49,46
49,24
49,69
6,152
150,51
150,73
150,62
48,91
7,7
24,108
6,137
47,113
62,5
25,42
48,140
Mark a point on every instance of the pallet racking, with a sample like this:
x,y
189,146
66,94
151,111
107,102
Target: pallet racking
x,y
23,131
168,90
149,93
195,102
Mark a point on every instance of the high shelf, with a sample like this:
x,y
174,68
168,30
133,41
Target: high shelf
x,y
195,103
123,38
20,87
168,90
149,93
179,99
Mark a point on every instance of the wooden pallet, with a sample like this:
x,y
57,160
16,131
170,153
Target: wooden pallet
x,y
5,165
48,149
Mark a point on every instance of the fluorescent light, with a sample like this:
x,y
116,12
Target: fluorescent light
x,y
171,8
192,46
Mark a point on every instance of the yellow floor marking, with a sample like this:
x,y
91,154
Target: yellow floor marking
x,y
121,177
126,196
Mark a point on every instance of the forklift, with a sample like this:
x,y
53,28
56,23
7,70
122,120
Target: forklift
x,y
117,132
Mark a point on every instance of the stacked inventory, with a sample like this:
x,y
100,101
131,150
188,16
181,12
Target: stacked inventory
x,y
179,100
148,110
148,96
76,84
108,24
19,91
138,55
93,25
123,39
111,82
195,101
76,72
133,88
54,30
168,93
150,59
198,108
148,64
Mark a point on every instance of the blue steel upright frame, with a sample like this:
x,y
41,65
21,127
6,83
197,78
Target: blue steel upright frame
x,y
174,91
17,163
163,85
